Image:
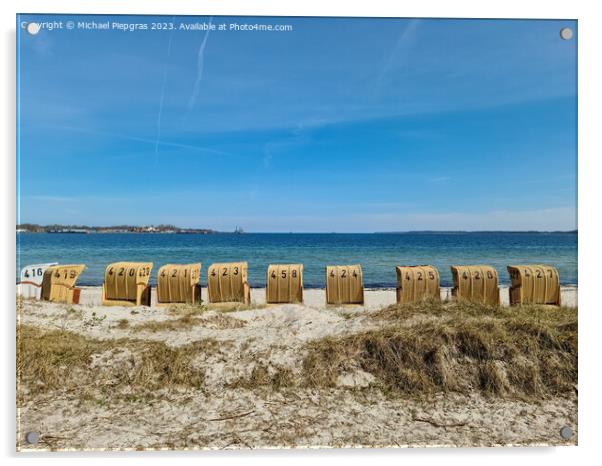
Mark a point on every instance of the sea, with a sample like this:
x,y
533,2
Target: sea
x,y
378,253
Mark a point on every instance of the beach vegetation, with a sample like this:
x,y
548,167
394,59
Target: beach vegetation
x,y
94,320
189,321
59,360
432,347
123,324
185,322
235,307
266,377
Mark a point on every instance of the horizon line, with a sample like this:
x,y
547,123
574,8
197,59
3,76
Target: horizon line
x,y
212,231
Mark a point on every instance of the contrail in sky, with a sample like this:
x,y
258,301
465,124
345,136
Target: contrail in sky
x,y
403,44
162,98
127,137
200,64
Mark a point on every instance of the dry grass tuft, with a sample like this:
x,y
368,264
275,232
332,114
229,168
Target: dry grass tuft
x,y
123,324
170,325
198,309
188,321
234,307
554,315
430,347
222,322
266,377
61,360
187,309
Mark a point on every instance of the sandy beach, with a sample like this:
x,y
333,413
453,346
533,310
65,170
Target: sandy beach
x,y
253,392
315,298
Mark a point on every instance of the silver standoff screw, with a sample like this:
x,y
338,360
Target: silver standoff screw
x,y
32,437
566,33
32,28
566,432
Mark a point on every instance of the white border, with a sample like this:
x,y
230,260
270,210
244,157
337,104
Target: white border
x,y
590,194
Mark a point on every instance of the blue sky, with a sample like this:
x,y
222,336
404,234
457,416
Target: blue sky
x,y
349,125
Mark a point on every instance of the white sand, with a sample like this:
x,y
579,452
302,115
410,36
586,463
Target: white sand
x,y
316,298
274,336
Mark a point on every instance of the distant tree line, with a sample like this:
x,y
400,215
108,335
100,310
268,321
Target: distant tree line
x,y
162,228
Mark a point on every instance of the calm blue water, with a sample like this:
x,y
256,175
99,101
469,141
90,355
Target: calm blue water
x,y
377,253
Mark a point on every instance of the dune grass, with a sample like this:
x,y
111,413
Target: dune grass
x,y
185,322
263,378
235,307
198,309
61,360
432,347
411,350
189,321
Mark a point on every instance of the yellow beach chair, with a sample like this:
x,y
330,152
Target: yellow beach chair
x,y
228,283
126,284
179,283
344,284
417,282
476,283
284,283
534,284
58,284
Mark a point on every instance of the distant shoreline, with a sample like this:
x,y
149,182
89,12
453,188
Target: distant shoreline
x,y
470,232
110,230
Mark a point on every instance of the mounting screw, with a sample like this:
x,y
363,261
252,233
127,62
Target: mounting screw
x,y
32,437
32,28
566,33
566,432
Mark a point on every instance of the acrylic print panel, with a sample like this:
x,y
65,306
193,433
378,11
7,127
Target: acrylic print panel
x,y
272,232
